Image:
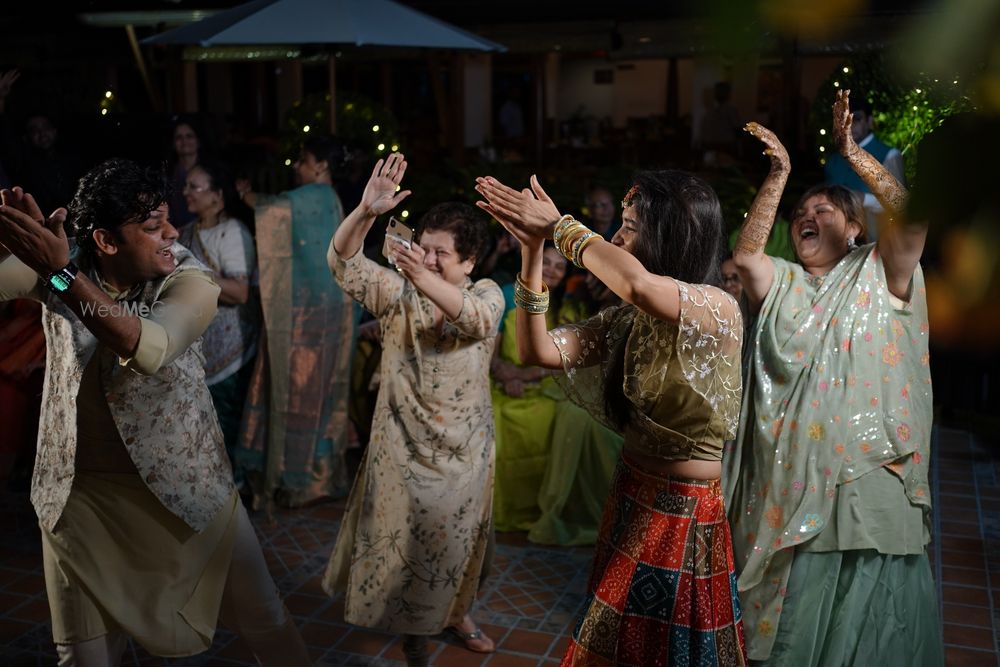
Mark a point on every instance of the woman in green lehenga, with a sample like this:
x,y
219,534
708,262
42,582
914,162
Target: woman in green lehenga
x,y
554,462
827,485
582,459
524,404
295,422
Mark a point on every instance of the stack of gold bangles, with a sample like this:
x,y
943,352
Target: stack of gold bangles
x,y
571,236
529,300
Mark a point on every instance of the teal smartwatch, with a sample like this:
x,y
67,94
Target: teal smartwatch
x,y
61,280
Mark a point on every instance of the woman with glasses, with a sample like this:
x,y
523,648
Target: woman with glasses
x,y
223,243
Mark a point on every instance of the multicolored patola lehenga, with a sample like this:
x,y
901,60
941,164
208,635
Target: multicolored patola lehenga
x,y
663,587
831,462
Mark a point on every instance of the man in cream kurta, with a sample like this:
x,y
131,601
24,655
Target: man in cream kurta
x,y
142,530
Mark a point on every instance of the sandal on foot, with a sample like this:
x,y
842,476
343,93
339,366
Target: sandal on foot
x,y
475,635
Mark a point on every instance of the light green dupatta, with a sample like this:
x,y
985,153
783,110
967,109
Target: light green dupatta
x,y
838,386
295,421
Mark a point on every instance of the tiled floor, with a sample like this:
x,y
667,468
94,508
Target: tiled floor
x,y
526,606
966,479
529,602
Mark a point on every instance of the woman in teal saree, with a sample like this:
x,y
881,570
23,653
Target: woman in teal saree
x,y
294,430
827,486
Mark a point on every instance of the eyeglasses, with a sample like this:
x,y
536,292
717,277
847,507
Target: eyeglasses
x,y
193,188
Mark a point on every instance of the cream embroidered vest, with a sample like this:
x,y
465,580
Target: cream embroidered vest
x,y
167,420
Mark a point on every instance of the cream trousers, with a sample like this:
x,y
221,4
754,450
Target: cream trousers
x,y
250,607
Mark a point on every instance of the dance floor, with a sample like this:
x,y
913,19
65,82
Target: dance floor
x,y
529,603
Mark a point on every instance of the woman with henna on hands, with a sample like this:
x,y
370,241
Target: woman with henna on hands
x,y
827,485
663,368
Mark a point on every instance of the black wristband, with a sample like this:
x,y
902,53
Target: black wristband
x,y
60,281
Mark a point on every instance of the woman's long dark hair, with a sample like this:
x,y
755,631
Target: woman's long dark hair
x,y
679,233
199,135
557,293
328,148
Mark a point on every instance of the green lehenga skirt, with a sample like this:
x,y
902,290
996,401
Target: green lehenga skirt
x,y
581,464
858,608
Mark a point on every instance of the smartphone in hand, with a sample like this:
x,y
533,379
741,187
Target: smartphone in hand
x,y
398,232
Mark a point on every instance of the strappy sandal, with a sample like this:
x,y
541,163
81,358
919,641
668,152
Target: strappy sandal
x,y
467,637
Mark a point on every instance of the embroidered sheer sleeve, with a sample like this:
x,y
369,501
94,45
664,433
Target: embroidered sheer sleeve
x,y
585,348
709,340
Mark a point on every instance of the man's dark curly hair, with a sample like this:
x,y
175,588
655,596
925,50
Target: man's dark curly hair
x,y
469,229
115,193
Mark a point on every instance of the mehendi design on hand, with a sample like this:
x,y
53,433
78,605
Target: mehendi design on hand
x,y
760,218
873,173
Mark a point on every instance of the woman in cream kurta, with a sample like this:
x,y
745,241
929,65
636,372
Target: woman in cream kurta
x,y
412,544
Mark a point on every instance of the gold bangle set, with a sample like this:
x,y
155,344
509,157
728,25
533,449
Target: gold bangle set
x,y
571,237
529,300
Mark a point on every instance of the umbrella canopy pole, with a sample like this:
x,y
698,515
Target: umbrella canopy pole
x,y
440,98
154,99
331,69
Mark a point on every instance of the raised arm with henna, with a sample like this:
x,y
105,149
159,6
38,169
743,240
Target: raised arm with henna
x,y
889,191
900,243
755,268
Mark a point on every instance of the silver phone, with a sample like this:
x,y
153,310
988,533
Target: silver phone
x,y
398,232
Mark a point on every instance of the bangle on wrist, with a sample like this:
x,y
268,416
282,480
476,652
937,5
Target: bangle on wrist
x,y
560,227
578,246
528,299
